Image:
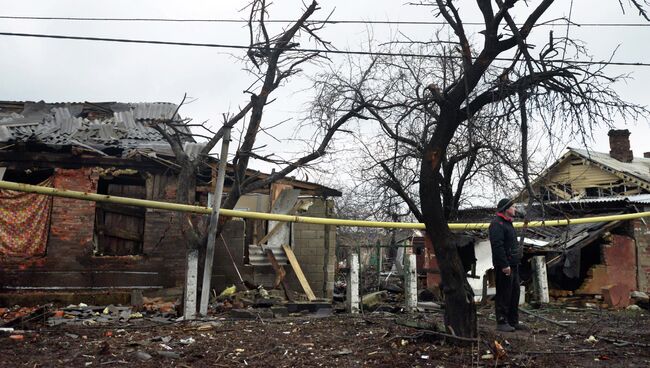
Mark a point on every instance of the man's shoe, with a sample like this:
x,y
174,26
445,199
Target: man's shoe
x,y
504,327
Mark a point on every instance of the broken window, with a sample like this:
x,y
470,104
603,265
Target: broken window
x,y
25,217
119,229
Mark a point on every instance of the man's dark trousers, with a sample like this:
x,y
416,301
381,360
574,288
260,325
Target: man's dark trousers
x,y
507,298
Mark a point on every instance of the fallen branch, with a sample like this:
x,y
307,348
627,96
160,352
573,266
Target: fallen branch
x,y
460,338
582,351
621,342
543,318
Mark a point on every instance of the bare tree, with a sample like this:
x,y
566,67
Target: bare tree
x,y
271,60
446,118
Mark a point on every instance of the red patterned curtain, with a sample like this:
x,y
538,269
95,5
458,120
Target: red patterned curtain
x,y
24,222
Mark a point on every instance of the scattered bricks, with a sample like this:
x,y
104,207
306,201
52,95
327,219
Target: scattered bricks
x,y
279,311
616,296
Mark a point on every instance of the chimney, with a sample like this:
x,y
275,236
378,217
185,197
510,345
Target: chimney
x,y
619,145
646,154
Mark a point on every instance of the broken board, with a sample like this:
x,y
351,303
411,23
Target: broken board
x,y
296,268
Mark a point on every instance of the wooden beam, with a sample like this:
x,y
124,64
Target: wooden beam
x,y
119,233
298,270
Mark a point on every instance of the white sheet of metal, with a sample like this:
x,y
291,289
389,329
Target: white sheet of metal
x,y
282,205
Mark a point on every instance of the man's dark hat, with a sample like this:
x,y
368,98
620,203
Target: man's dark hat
x,y
504,204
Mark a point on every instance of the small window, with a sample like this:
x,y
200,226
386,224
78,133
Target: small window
x,y
119,229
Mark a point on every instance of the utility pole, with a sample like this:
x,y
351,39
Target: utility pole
x,y
214,223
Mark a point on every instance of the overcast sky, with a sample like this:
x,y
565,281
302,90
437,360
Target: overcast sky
x,y
67,70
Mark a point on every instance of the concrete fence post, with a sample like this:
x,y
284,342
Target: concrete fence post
x,y
352,298
411,283
540,280
191,284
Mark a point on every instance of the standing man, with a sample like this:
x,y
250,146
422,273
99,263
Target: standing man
x,y
506,256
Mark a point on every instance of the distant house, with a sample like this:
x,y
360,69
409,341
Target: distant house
x,y
58,244
594,258
581,174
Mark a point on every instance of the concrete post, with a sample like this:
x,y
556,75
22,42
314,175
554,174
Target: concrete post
x,y
214,221
353,299
191,284
540,280
411,283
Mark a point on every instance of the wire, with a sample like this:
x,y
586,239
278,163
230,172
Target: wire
x,y
324,51
566,38
328,21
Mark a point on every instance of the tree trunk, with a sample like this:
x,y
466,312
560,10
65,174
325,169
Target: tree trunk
x,y
460,310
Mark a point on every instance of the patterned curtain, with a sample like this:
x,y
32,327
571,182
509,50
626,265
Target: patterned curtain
x,y
24,222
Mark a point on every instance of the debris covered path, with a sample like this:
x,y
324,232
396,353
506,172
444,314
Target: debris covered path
x,y
590,338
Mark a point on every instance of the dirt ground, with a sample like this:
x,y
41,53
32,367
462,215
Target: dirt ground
x,y
620,339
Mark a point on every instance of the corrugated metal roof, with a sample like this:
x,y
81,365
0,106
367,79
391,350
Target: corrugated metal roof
x,y
98,125
631,199
639,167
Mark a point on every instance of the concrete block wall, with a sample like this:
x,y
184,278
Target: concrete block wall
x,y
224,273
642,237
310,246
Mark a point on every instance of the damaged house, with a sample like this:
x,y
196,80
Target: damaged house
x,y
60,245
608,258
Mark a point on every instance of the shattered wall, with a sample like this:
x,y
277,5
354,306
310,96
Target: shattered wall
x,y
312,244
617,271
70,262
642,236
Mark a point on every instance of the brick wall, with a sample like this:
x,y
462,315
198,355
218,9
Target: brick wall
x,y
71,229
69,260
642,236
618,267
310,248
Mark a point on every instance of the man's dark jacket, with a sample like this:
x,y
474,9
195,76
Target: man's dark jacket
x,y
503,239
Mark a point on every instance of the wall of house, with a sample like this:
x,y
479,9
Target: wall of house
x,y
642,237
70,262
314,246
309,245
618,269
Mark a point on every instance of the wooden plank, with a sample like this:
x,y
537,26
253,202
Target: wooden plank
x,y
122,209
124,234
298,270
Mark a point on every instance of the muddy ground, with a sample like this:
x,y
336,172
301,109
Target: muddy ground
x,y
620,339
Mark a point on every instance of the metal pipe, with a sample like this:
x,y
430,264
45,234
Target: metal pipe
x,y
291,218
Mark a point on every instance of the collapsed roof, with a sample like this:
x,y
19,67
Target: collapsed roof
x,y
100,125
109,129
